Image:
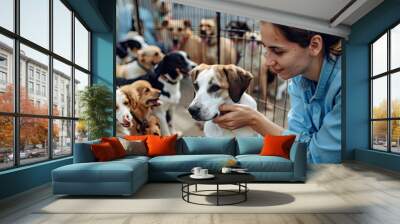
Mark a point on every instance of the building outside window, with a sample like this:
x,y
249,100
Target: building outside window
x,y
3,71
30,72
30,87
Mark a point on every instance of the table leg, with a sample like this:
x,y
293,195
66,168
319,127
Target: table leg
x,y
188,189
196,188
217,194
245,193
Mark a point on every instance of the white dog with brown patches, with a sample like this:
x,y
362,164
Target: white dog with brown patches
x,y
123,113
216,85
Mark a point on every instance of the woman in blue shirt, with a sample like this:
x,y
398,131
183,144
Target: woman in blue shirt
x,y
311,61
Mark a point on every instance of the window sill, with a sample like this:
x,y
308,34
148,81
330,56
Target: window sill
x,y
382,159
30,166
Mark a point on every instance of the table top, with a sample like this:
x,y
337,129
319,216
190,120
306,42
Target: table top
x,y
220,178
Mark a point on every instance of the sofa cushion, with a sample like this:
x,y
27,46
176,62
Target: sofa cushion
x,y
249,145
185,163
206,145
257,163
112,171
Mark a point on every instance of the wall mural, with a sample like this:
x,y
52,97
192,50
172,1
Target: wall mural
x,y
196,72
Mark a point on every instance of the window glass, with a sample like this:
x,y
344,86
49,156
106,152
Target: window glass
x,y
379,135
35,21
62,141
33,139
395,136
7,14
395,47
6,74
81,45
6,142
62,91
395,95
379,98
379,56
30,58
81,82
62,29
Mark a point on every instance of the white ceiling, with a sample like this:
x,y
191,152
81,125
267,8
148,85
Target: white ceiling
x,y
317,15
321,9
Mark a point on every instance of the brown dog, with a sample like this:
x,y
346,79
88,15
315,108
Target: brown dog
x,y
147,58
143,98
208,35
178,35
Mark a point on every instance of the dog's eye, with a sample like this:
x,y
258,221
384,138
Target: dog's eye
x,y
214,88
126,103
171,29
196,86
116,107
180,29
146,90
156,54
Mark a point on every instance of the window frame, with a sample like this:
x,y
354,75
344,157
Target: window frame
x,y
388,74
16,114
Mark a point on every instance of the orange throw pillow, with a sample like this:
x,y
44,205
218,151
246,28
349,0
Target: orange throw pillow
x,y
161,145
116,145
277,145
103,152
136,137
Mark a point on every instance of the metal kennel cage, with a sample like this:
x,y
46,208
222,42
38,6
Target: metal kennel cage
x,y
276,110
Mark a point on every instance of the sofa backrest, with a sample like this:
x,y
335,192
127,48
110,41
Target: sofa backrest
x,y
249,145
206,145
83,152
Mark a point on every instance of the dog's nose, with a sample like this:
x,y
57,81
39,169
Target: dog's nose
x,y
127,118
194,111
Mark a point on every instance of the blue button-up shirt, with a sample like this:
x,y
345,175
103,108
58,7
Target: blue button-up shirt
x,y
315,114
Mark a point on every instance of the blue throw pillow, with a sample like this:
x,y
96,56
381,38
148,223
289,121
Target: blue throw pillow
x,y
249,145
207,145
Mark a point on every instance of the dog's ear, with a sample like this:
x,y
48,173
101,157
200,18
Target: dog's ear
x,y
195,71
164,23
132,94
187,23
238,79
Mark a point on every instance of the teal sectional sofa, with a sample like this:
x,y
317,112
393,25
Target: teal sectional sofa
x,y
125,176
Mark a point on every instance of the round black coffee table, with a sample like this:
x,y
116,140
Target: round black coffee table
x,y
238,179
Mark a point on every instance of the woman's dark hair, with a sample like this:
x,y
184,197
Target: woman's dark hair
x,y
332,44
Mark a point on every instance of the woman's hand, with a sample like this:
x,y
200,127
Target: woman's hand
x,y
235,116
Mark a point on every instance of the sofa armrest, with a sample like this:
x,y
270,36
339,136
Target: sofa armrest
x,y
83,152
298,155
